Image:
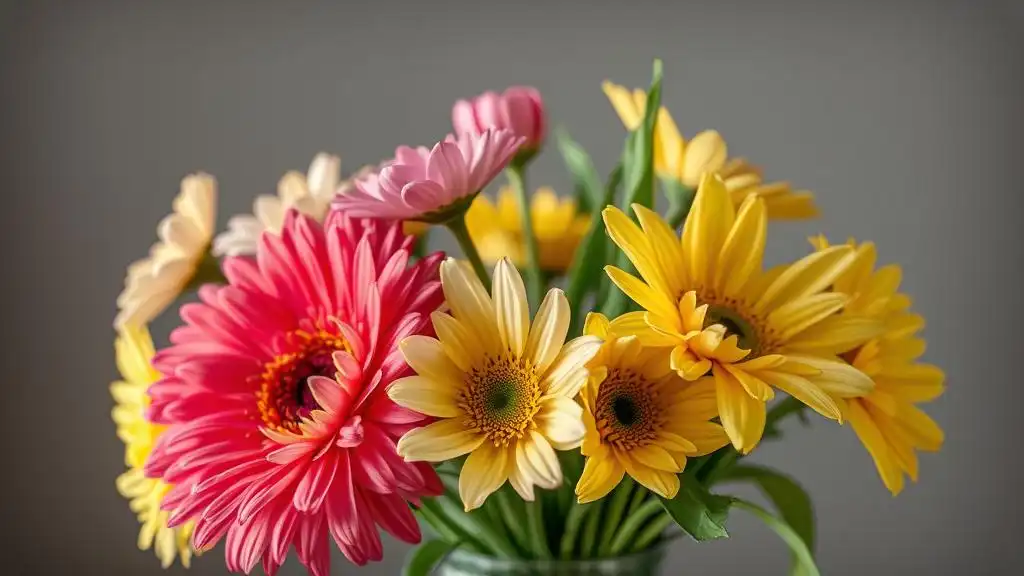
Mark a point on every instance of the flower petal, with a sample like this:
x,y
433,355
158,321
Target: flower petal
x,y
426,396
438,442
484,471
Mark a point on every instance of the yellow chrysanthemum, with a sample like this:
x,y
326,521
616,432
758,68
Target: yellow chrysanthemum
x,y
503,390
707,152
887,421
152,283
707,296
134,350
641,418
497,230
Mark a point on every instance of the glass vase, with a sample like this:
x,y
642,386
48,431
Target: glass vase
x,y
464,563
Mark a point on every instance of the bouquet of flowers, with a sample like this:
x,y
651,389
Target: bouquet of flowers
x,y
564,396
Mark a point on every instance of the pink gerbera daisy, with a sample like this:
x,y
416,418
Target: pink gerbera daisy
x,y
432,185
280,430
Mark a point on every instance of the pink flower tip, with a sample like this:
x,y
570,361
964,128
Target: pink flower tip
x,y
432,185
519,109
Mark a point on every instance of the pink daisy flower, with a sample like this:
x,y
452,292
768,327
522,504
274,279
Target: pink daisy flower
x,y
280,431
432,185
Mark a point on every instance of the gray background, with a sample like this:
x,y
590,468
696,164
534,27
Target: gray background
x,y
904,117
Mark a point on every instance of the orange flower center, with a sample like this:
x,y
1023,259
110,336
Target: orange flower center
x,y
627,410
751,330
283,394
501,398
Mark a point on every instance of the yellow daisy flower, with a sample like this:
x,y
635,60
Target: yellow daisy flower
x,y
707,296
641,418
152,283
134,350
887,421
497,230
686,162
503,390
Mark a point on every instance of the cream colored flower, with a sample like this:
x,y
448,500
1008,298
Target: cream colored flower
x,y
152,283
310,194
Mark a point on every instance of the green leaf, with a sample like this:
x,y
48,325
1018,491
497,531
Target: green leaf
x,y
680,199
638,167
638,178
698,512
788,497
803,559
588,263
587,183
426,557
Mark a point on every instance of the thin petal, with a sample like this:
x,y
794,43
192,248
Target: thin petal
x,y
486,469
549,329
742,417
567,373
438,442
426,396
513,311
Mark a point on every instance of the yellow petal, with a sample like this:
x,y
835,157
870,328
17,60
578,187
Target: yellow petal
x,y
705,154
656,457
665,244
438,442
427,357
809,275
511,307
920,428
835,335
623,103
568,372
706,437
425,396
664,484
548,331
751,383
872,439
803,390
637,247
914,382
484,471
537,462
600,475
707,226
457,341
793,206
797,315
470,303
560,420
648,298
597,324
742,417
695,401
837,378
743,251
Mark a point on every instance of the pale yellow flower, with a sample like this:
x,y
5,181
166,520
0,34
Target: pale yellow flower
x,y
152,283
503,391
309,193
497,229
134,351
687,162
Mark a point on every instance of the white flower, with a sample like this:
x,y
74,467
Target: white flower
x,y
152,283
310,194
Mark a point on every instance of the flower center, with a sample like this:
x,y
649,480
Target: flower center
x,y
283,394
626,410
751,331
735,324
501,398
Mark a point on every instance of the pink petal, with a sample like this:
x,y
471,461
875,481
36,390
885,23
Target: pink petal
x,y
463,118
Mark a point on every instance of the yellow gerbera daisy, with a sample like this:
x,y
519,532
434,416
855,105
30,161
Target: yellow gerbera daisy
x,y
503,390
641,418
152,283
887,421
707,296
497,229
707,152
134,350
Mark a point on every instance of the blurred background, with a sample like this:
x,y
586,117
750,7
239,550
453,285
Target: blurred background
x,y
904,117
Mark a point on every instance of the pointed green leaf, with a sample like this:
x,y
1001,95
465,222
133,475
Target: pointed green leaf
x,y
425,557
804,561
587,183
698,512
788,497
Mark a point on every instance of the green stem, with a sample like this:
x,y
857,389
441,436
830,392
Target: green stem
x,y
589,536
517,180
535,527
419,245
572,528
512,516
471,523
632,524
616,507
458,227
448,529
783,408
207,272
723,459
651,533
680,199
